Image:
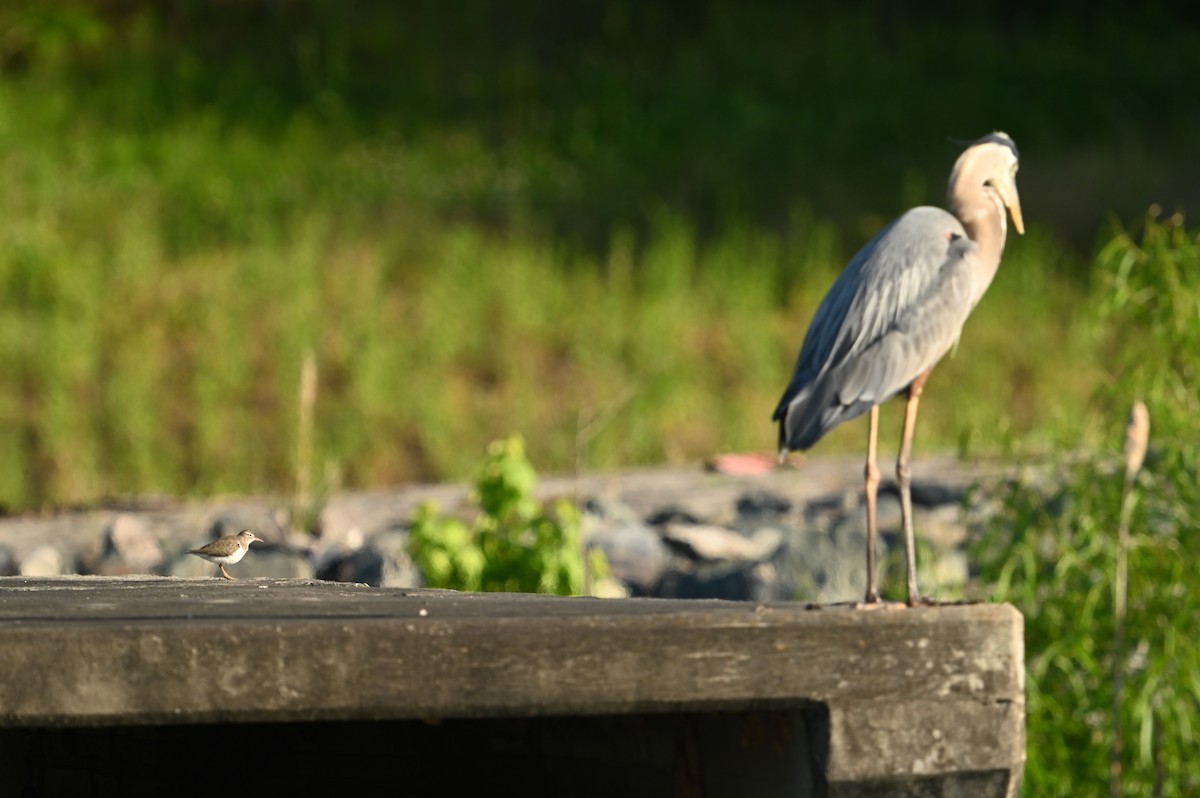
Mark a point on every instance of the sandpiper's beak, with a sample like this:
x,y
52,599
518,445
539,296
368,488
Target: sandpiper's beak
x,y
1006,187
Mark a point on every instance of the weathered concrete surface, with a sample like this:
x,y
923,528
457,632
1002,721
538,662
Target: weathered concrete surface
x,y
913,696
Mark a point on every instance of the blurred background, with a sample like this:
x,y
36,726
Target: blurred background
x,y
291,247
604,225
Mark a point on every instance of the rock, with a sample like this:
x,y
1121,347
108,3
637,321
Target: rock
x,y
713,543
369,566
189,566
130,547
760,504
825,559
399,569
792,533
926,494
934,494
45,560
636,553
8,561
359,566
945,526
834,505
733,583
274,562
343,526
669,515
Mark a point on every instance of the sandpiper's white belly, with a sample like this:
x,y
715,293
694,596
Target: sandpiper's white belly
x,y
223,559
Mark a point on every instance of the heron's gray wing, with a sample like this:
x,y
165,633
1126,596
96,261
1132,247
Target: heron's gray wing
x,y
894,311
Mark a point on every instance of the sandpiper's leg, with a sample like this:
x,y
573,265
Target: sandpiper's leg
x,y
224,573
872,476
904,485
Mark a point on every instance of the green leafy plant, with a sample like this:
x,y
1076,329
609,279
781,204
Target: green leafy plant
x,y
1098,663
513,544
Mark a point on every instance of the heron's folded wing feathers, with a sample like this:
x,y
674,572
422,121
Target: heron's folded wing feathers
x,y
895,310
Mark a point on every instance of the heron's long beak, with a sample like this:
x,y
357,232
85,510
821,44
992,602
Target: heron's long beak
x,y
1007,189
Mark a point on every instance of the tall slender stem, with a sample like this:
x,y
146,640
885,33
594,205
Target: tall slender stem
x,y
1137,436
304,431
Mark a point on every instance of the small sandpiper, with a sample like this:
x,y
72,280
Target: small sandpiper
x,y
227,550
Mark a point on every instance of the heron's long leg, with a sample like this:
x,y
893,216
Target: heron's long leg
x,y
904,485
871,472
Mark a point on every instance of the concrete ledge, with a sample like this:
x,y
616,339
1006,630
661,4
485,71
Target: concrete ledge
x,y
906,694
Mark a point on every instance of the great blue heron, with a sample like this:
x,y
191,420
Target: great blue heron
x,y
891,315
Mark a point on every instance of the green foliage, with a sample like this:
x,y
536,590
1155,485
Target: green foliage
x,y
1052,552
617,256
513,545
158,294
599,112
1149,323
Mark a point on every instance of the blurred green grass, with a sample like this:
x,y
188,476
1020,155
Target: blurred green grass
x,y
1053,548
158,294
606,230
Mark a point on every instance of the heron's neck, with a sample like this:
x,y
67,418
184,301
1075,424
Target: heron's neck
x,y
983,216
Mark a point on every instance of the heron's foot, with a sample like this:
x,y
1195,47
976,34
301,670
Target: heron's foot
x,y
871,601
921,601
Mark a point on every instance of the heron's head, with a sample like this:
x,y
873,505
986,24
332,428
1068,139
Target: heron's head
x,y
991,164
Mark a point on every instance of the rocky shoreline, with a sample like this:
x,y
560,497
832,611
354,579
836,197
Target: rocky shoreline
x,y
796,532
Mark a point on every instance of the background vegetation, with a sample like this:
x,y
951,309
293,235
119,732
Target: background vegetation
x,y
1053,551
513,544
605,225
